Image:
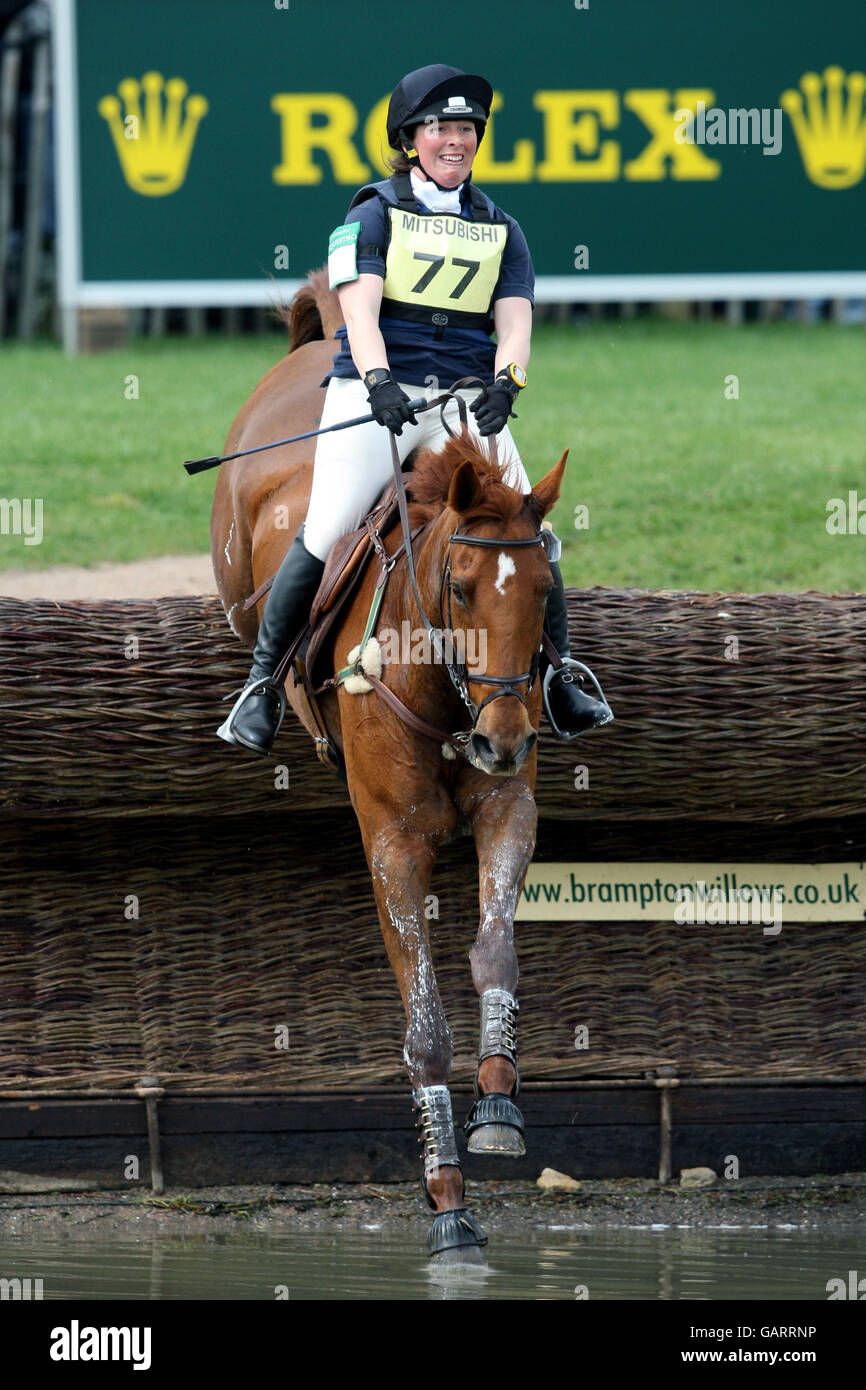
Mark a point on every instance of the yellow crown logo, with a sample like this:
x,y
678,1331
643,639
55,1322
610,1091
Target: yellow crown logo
x,y
154,146
831,134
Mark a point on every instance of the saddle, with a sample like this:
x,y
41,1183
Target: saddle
x,y
344,570
345,567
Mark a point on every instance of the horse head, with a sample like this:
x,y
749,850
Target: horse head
x,y
493,582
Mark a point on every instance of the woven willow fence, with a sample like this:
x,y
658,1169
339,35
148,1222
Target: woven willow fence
x,y
777,733
255,909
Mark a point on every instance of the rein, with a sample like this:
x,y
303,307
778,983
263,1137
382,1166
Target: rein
x,y
457,671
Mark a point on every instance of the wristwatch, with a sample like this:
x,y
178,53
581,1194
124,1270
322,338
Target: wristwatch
x,y
376,376
515,377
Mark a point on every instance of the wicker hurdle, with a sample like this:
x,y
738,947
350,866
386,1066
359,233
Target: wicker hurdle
x,y
254,908
109,709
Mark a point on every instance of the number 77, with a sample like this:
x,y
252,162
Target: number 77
x,y
436,264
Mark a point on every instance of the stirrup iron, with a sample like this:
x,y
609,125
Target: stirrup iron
x,y
564,672
254,688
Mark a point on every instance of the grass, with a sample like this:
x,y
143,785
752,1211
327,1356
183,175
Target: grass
x,y
684,487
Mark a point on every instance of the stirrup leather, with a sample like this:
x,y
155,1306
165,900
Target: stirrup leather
x,y
254,688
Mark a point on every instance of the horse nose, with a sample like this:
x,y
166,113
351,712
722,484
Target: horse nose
x,y
502,757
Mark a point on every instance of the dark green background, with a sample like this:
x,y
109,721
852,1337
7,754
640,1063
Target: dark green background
x,y
762,214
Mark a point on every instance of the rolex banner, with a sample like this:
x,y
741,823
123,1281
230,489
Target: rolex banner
x,y
648,148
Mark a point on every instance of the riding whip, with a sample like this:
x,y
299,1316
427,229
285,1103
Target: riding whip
x,y
201,465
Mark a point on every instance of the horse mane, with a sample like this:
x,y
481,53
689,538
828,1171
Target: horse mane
x,y
429,482
314,313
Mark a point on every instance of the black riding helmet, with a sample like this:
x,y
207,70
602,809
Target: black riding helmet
x,y
437,90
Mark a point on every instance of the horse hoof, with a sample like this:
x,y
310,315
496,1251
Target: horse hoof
x,y
497,1139
494,1125
459,1255
454,1232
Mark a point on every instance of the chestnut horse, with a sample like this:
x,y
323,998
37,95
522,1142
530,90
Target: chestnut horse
x,y
407,792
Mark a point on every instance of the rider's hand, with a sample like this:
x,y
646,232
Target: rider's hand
x,y
493,410
388,402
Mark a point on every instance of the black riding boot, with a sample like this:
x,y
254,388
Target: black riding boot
x,y
569,709
258,712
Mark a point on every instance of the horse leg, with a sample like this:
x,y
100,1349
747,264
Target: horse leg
x,y
401,864
505,840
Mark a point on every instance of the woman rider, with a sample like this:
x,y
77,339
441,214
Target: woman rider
x,y
404,333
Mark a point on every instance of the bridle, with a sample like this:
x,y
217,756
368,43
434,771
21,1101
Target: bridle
x,y
457,670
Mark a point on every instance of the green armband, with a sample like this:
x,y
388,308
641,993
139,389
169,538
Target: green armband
x,y
342,254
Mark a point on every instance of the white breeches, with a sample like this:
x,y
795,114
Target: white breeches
x,y
353,466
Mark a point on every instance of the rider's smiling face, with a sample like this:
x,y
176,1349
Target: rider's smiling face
x,y
446,150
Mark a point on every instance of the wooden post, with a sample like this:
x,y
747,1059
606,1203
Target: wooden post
x,y
666,1079
10,72
196,321
150,1092
31,256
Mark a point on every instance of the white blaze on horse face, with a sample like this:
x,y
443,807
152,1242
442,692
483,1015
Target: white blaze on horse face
x,y
506,568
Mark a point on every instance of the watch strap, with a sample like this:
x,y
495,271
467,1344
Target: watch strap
x,y
376,377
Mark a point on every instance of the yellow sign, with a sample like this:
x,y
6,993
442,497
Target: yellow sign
x,y
579,141
830,126
443,262
154,144
154,140
698,893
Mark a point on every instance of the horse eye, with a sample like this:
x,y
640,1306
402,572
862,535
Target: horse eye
x,y
458,593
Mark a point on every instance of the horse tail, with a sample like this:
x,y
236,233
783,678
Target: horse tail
x,y
314,312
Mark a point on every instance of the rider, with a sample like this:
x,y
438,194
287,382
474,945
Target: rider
x,y
403,334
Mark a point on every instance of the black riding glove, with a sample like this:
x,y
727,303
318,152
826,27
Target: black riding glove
x,y
492,412
388,402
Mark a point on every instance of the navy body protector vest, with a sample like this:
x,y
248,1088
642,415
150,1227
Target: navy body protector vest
x,y
425,279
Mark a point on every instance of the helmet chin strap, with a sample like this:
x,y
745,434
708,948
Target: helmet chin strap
x,y
414,158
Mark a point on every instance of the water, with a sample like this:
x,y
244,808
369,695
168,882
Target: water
x,y
674,1263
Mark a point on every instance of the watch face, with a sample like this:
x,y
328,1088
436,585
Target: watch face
x,y
518,374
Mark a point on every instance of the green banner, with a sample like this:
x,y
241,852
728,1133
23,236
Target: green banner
x,y
206,147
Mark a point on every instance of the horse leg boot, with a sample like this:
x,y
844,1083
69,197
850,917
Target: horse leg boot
x,y
258,713
504,829
569,709
456,1229
494,1125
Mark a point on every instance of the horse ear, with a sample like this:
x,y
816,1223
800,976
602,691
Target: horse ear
x,y
546,493
465,489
